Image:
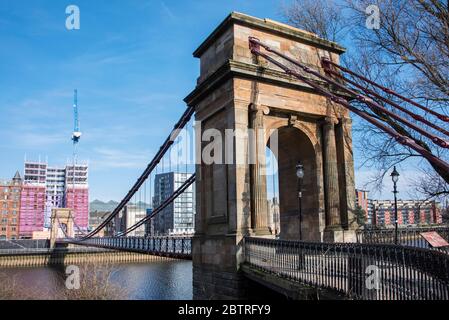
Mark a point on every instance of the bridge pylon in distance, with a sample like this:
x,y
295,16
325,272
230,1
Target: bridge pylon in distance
x,y
61,225
237,91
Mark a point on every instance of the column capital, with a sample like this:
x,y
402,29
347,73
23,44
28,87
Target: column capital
x,y
259,108
330,120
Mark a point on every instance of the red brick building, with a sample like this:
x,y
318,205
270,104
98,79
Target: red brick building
x,y
410,212
10,193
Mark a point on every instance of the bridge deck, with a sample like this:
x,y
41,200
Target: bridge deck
x,y
179,248
374,272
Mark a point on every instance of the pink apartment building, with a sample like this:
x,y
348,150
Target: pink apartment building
x,y
79,202
77,195
45,188
32,210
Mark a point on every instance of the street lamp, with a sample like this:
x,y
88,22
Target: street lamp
x,y
300,175
395,178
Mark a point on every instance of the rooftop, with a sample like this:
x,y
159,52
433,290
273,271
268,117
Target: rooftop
x,y
269,26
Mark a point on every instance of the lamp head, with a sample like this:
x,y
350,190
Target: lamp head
x,y
395,175
300,171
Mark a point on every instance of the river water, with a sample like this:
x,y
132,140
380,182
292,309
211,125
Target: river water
x,y
158,280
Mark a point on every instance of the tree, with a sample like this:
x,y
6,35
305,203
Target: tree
x,y
323,18
360,215
409,53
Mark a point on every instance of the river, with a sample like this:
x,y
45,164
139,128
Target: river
x,y
158,280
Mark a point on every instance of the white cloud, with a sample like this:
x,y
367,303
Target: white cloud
x,y
168,11
109,158
38,141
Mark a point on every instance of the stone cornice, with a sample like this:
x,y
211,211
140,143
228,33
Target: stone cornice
x,y
268,26
234,69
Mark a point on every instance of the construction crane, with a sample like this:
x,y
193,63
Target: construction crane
x,y
76,136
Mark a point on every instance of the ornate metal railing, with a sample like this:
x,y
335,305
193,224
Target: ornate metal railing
x,y
360,271
17,252
179,247
24,244
406,236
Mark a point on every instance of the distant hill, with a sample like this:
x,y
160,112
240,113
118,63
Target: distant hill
x,y
98,205
101,206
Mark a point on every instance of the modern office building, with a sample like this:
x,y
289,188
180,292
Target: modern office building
x,y
178,218
128,217
10,192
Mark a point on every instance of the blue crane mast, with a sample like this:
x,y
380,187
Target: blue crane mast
x,y
76,136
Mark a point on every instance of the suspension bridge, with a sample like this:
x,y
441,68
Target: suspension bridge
x,y
287,86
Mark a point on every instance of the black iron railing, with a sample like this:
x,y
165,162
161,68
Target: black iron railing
x,y
24,244
406,236
180,247
360,271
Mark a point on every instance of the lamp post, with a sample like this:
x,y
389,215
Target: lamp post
x,y
395,178
300,176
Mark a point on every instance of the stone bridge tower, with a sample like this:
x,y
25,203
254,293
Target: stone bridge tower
x,y
236,91
61,218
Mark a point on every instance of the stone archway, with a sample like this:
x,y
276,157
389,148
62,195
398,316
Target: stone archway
x,y
61,218
237,92
295,146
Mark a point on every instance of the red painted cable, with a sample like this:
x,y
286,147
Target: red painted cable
x,y
373,93
435,139
440,116
255,45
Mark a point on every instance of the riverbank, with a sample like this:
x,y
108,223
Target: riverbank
x,y
39,258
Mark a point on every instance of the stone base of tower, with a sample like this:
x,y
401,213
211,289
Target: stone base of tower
x,y
339,235
211,283
216,261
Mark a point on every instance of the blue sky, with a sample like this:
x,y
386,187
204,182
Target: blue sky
x,y
132,64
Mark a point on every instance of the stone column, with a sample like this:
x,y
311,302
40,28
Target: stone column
x,y
257,158
331,188
344,140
